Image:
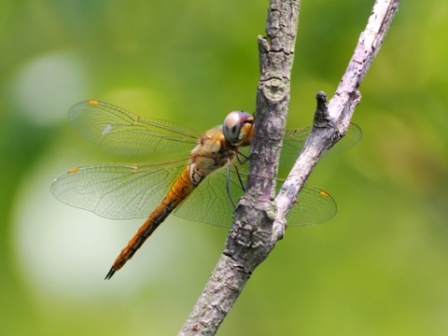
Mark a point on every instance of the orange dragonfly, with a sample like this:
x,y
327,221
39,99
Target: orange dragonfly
x,y
205,164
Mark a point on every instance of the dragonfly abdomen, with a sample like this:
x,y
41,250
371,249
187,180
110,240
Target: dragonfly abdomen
x,y
178,192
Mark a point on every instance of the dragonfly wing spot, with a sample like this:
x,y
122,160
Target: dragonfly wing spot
x,y
74,170
107,129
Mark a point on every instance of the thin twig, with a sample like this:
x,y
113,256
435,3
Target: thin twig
x,y
340,108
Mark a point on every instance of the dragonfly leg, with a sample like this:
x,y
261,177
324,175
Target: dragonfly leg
x,y
242,159
228,185
240,179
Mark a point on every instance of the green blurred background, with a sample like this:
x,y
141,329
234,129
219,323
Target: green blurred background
x,y
380,267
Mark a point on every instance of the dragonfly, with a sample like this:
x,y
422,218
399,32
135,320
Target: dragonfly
x,y
202,183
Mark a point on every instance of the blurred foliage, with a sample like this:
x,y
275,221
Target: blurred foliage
x,y
379,268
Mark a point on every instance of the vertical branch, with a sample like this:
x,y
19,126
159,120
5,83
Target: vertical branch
x,y
251,238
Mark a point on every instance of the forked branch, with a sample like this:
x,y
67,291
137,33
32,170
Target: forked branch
x,y
260,221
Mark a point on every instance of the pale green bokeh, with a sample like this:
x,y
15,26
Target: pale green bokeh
x,y
379,268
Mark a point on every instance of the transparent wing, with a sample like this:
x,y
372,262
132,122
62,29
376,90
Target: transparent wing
x,y
294,140
117,191
314,206
134,191
123,133
209,202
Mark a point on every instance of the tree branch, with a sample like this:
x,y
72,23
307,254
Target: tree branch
x,y
260,222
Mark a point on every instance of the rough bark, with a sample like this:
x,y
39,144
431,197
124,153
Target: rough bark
x,y
260,219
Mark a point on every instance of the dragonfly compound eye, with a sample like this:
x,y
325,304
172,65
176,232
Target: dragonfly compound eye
x,y
233,124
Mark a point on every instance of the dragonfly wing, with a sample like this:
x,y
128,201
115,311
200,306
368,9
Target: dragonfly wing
x,y
314,206
123,133
209,202
117,191
294,140
349,140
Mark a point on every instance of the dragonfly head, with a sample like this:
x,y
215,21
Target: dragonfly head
x,y
238,128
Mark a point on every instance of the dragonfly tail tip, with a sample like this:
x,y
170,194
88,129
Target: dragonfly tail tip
x,y
110,274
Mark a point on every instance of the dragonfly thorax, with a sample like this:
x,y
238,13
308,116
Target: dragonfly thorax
x,y
212,152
